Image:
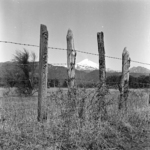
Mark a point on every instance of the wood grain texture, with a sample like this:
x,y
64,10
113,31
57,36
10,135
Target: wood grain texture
x,y
102,65
71,59
43,71
124,82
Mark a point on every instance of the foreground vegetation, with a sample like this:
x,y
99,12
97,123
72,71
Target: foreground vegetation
x,y
76,124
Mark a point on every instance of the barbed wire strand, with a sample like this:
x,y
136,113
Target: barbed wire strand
x,y
63,49
58,65
65,65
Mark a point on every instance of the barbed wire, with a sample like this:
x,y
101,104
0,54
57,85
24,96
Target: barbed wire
x,y
87,67
55,65
19,43
61,65
65,65
63,49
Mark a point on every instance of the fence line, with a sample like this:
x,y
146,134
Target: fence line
x,y
43,111
102,68
53,65
65,65
63,49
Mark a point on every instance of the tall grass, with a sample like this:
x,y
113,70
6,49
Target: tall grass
x,y
72,124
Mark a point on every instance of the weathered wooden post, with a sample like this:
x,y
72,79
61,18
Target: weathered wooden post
x,y
102,90
43,70
71,59
124,83
102,66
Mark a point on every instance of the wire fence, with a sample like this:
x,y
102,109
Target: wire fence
x,y
53,65
68,120
81,82
70,116
78,80
63,49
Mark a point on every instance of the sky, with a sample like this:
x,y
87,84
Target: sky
x,y
125,23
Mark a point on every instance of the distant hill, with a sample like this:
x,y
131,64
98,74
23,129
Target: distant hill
x,y
60,72
6,66
140,70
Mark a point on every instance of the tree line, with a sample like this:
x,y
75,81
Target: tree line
x,y
24,76
111,81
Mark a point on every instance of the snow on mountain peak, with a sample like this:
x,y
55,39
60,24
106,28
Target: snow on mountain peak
x,y
87,64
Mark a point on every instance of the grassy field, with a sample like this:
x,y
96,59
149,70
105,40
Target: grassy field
x,y
75,124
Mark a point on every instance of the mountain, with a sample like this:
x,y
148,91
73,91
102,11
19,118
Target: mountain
x,y
140,70
60,72
5,67
87,64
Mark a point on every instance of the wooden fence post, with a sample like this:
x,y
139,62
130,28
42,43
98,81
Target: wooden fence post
x,y
43,70
102,89
124,83
71,59
101,50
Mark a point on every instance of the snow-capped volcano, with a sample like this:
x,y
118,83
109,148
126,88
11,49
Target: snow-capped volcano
x,y
87,64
